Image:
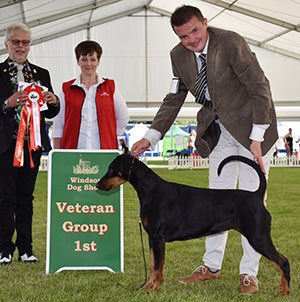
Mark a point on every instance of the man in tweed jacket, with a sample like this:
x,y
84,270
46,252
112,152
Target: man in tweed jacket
x,y
239,120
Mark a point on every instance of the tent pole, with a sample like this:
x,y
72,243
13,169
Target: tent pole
x,y
146,58
171,137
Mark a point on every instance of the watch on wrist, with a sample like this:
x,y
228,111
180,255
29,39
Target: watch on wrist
x,y
57,102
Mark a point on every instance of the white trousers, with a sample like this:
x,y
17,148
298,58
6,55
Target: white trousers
x,y
247,179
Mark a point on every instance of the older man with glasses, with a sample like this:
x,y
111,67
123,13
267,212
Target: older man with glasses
x,y
17,181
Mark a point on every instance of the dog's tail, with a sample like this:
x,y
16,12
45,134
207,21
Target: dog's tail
x,y
262,179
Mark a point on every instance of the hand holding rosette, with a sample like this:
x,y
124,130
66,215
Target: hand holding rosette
x,y
30,115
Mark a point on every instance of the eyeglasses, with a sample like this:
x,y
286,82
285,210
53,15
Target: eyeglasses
x,y
17,42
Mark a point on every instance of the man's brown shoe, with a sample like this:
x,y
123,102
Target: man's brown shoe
x,y
248,284
201,274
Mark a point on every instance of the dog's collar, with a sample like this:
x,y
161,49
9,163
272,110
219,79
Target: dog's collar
x,y
130,169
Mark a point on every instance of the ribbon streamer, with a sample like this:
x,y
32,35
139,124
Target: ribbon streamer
x,y
30,114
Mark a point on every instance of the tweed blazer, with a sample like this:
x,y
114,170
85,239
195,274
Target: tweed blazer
x,y
239,90
7,119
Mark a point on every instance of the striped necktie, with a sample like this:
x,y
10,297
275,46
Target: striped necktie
x,y
201,84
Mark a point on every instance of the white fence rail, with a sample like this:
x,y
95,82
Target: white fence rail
x,y
192,162
187,162
44,163
292,161
196,162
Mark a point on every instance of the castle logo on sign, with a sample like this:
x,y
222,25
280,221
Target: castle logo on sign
x,y
84,167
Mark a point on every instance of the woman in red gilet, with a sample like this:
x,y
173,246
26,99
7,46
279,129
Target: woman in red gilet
x,y
93,112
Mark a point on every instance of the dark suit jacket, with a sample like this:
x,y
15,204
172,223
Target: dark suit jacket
x,y
7,119
240,92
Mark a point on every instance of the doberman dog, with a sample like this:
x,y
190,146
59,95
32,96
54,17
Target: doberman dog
x,y
171,211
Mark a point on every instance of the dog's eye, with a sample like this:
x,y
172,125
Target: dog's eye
x,y
113,172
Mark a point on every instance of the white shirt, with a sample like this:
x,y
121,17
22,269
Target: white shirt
x,y
89,137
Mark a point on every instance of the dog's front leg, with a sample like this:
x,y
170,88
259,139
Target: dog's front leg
x,y
157,262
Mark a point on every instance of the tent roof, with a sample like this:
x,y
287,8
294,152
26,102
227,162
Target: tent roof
x,y
138,129
270,24
136,133
176,130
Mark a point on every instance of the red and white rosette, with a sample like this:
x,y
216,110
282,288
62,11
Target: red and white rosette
x,y
30,114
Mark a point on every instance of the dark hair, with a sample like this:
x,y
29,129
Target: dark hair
x,y
184,13
88,47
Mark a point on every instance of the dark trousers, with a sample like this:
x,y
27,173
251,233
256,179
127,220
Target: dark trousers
x,y
16,196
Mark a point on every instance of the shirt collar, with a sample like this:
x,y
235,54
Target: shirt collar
x,y
77,82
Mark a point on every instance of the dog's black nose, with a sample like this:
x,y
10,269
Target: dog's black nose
x,y
99,184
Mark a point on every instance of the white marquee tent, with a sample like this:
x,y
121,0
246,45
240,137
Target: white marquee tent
x,y
136,133
136,37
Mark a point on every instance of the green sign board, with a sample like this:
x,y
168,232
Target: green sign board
x,y
85,225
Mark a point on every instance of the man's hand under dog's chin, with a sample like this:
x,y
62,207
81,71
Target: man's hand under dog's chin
x,y
139,147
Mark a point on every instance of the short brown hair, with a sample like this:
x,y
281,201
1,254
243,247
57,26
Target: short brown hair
x,y
88,47
184,13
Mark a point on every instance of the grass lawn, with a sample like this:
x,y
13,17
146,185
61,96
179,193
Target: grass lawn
x,y
28,282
